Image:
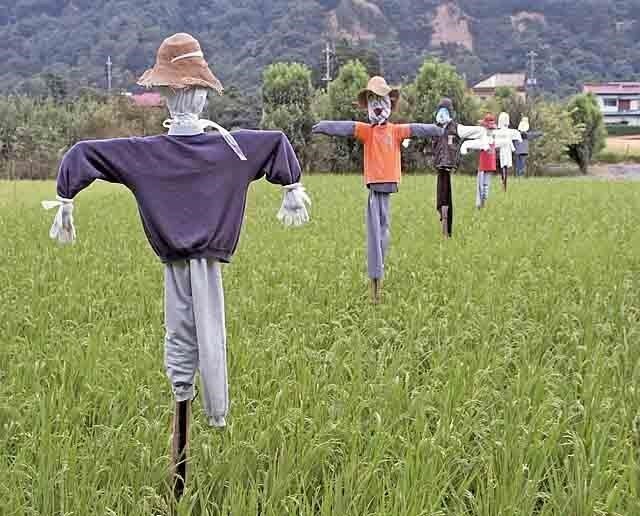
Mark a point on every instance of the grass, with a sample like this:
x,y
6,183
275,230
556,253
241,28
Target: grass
x,y
499,377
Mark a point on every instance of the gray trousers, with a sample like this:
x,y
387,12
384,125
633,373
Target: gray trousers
x,y
482,189
378,233
195,334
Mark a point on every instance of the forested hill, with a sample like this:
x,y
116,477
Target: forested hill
x,y
576,39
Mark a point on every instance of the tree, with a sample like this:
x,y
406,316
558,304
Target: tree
x,y
559,132
286,103
585,113
434,81
342,93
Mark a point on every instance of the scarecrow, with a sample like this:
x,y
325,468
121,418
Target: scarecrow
x,y
488,146
522,147
382,165
505,133
191,189
446,158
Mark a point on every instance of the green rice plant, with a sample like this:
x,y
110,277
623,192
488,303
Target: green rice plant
x,y
498,377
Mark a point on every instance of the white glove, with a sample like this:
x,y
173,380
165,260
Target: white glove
x,y
62,228
293,211
406,143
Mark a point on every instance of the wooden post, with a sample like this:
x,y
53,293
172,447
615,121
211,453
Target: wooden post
x,y
444,215
180,447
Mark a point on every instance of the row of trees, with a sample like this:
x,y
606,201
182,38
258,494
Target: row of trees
x,y
35,132
573,129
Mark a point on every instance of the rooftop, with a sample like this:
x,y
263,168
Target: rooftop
x,y
150,99
612,88
502,80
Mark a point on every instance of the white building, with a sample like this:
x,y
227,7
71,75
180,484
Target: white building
x,y
619,101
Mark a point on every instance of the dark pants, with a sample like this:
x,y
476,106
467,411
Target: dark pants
x,y
444,197
521,164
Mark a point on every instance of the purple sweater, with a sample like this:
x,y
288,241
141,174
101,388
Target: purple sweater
x,y
191,190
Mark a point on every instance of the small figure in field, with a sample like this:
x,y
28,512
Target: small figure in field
x,y
446,158
522,147
489,146
191,189
505,133
382,165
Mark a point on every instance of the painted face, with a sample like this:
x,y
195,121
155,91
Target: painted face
x,y
379,108
443,117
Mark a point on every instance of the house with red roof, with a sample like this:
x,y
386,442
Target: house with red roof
x,y
619,101
147,99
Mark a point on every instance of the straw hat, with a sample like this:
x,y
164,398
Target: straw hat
x,y
489,121
378,86
180,64
523,127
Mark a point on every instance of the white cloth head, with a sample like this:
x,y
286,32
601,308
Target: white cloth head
x,y
503,120
185,107
443,117
523,127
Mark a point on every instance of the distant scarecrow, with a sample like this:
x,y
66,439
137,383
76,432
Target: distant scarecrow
x,y
446,158
489,146
382,165
505,133
191,190
522,147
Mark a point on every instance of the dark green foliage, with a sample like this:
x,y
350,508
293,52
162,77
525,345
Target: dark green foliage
x,y
287,94
575,40
586,114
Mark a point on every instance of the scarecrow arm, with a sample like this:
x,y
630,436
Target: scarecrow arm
x,y
471,132
425,131
516,136
477,144
82,165
282,168
331,128
532,135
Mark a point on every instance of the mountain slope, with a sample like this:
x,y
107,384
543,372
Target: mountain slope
x,y
575,40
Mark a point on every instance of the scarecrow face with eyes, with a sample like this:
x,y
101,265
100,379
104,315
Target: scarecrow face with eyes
x,y
378,107
379,99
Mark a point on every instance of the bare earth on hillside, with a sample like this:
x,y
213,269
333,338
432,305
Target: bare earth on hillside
x,y
519,21
450,26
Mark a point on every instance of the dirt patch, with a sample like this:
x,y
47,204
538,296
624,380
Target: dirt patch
x,y
345,20
355,32
370,6
624,145
451,26
520,20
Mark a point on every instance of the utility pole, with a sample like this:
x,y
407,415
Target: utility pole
x,y
108,70
532,81
328,53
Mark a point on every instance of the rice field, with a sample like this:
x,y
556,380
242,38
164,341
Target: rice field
x,y
499,377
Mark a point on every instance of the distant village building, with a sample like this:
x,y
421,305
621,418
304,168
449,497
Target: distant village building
x,y
619,101
147,99
487,88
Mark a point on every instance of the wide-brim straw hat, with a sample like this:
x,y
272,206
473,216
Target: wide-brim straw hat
x,y
378,86
489,122
180,64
